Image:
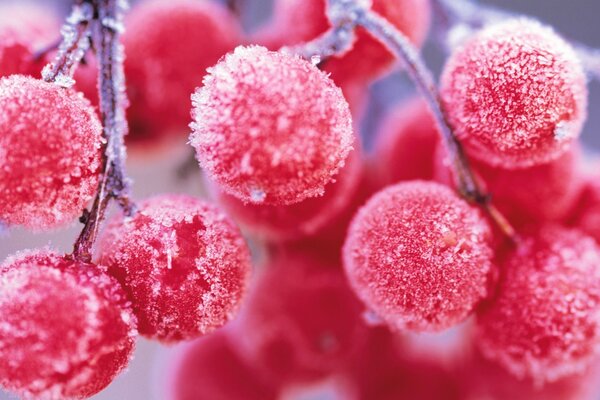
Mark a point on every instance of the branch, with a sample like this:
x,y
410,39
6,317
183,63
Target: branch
x,y
75,42
106,28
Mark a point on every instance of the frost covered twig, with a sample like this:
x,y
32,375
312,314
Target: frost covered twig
x,y
106,28
75,42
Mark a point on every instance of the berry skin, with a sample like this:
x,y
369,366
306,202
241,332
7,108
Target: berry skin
x,y
515,94
67,328
308,218
169,46
183,263
542,193
406,144
24,29
418,256
297,21
50,153
301,321
587,213
270,128
209,369
544,323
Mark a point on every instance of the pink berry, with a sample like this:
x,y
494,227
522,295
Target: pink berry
x,y
406,144
183,263
270,128
542,193
515,94
307,218
484,379
587,212
169,46
297,21
24,30
418,256
66,327
50,153
301,321
544,323
209,369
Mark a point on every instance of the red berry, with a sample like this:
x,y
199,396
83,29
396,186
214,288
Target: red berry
x,y
183,263
587,213
270,128
66,327
209,369
50,153
24,30
544,323
307,218
297,21
515,94
542,193
484,379
169,46
406,144
301,321
418,256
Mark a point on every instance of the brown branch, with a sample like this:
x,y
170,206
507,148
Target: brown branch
x,y
106,29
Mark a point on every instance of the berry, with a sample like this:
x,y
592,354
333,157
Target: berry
x,y
406,144
209,369
301,321
183,263
542,193
66,327
50,153
515,94
169,46
484,379
587,214
544,323
24,30
307,218
418,256
297,21
270,128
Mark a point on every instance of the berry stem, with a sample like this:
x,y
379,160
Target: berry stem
x,y
75,42
106,28
356,13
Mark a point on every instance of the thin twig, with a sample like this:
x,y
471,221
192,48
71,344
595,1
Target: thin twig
x,y
106,28
75,42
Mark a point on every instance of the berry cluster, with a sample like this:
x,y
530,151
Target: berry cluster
x,y
473,213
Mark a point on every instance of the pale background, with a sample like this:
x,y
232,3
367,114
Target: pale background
x,y
155,173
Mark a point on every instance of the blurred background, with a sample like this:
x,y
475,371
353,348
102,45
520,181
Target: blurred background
x,y
155,172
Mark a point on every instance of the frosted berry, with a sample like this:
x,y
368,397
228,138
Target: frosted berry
x,y
542,193
183,263
50,153
515,94
297,21
270,128
169,46
301,322
418,256
544,323
209,369
66,327
307,218
406,144
25,28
